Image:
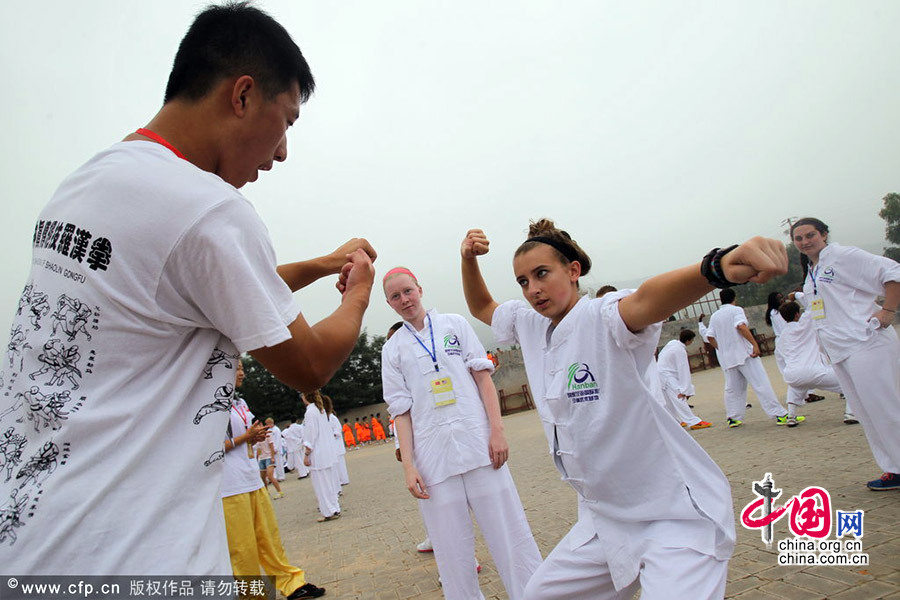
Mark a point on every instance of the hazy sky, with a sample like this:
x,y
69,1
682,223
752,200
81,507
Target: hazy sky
x,y
651,131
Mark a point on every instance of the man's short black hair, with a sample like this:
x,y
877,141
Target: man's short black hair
x,y
686,335
789,311
727,296
237,39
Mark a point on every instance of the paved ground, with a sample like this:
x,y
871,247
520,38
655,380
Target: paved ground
x,y
370,551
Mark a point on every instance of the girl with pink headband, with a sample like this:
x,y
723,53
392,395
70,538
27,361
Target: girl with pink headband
x,y
437,383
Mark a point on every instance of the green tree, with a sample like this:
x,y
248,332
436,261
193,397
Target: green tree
x,y
266,396
356,383
891,215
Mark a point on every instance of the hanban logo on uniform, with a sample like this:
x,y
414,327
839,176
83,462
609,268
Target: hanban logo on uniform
x,y
579,373
452,345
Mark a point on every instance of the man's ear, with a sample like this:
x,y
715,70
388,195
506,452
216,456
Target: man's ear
x,y
240,93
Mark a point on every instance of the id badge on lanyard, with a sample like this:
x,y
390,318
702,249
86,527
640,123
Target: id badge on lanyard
x,y
441,385
442,390
817,308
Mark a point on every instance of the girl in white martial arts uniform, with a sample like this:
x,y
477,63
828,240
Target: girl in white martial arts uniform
x,y
437,383
773,317
654,509
841,285
340,465
320,455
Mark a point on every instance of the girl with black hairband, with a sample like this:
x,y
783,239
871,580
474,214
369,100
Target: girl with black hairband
x,y
654,510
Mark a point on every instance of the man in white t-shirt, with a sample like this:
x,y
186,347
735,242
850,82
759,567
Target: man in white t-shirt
x,y
738,355
180,277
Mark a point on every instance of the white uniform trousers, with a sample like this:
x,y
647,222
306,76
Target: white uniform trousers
x,y
295,460
343,476
871,381
818,379
279,465
678,407
736,379
491,495
324,481
665,573
791,395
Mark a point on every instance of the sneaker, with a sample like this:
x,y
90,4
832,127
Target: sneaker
x,y
791,422
800,419
888,481
701,425
783,420
336,515
477,566
683,424
308,590
814,398
734,422
278,496
749,405
850,419
424,546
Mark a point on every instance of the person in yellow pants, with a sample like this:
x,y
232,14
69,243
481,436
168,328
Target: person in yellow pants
x,y
253,537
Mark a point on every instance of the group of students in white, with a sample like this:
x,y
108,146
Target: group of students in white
x,y
654,511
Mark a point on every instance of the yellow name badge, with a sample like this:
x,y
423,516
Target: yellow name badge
x,y
818,309
442,390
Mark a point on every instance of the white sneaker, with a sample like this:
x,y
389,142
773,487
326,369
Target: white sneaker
x,y
850,419
424,546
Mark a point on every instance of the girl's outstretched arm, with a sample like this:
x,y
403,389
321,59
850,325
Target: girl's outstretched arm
x,y
757,260
481,303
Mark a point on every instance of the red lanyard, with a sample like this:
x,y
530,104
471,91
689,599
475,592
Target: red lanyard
x,y
242,413
160,140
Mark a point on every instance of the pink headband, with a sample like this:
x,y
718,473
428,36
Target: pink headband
x,y
399,271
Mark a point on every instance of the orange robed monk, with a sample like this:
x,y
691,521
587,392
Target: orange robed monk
x,y
349,441
359,431
378,429
366,432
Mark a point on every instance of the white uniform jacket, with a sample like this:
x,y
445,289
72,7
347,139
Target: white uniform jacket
x,y
704,331
848,280
733,349
778,322
674,368
293,437
640,475
317,435
447,440
338,435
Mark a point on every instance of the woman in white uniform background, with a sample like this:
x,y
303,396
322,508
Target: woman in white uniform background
x,y
655,511
841,285
340,464
437,384
320,455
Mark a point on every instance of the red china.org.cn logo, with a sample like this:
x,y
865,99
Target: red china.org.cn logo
x,y
809,519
